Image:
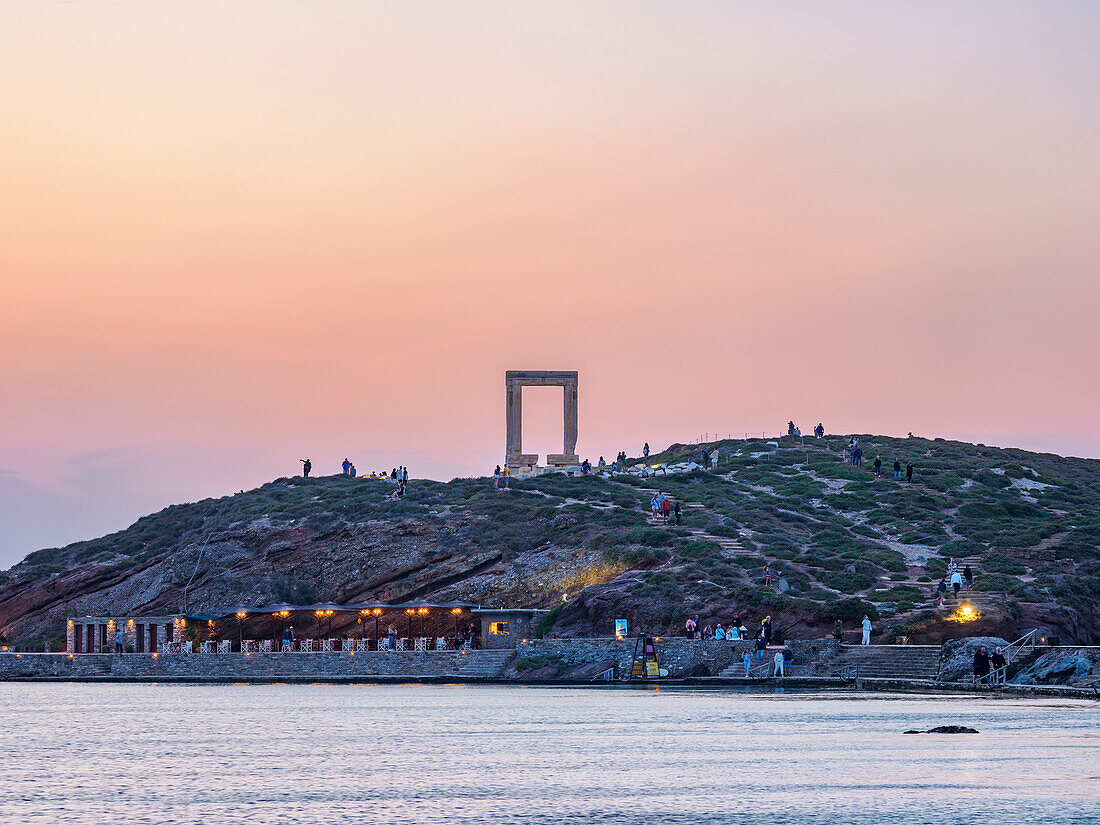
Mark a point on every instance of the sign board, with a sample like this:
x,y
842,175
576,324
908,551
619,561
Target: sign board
x,y
620,628
652,669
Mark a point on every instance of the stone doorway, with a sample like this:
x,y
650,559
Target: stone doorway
x,y
521,463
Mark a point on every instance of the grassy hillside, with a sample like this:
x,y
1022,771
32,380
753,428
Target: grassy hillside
x,y
842,541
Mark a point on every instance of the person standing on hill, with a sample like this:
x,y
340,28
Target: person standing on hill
x,y
766,630
714,459
897,470
677,512
866,630
346,466
496,478
838,630
505,474
819,430
645,450
909,472
307,465
878,467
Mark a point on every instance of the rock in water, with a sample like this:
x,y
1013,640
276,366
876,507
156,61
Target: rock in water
x,y
952,729
944,729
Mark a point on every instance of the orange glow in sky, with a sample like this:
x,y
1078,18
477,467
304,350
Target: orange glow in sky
x,y
239,234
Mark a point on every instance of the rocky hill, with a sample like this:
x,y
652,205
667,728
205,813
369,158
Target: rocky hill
x,y
840,542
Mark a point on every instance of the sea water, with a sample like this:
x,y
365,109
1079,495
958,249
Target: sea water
x,y
213,754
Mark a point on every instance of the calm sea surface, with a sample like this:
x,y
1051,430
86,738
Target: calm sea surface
x,y
314,754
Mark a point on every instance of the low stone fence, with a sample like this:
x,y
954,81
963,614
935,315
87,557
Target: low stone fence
x,y
260,666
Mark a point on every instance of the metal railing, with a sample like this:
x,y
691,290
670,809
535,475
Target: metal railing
x,y
848,673
997,676
1024,644
605,676
761,671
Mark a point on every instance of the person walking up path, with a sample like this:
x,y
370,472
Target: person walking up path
x,y
866,630
956,583
897,470
746,658
968,578
878,467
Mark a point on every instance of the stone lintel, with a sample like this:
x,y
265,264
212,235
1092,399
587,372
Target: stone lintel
x,y
562,459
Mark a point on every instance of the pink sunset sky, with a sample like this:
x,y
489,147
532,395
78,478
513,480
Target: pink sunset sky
x,y
236,234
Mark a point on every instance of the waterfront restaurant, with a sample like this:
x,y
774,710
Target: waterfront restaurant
x,y
324,627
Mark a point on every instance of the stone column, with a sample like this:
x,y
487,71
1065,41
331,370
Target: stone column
x,y
70,637
570,390
513,404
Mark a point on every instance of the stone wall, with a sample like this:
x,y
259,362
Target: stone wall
x,y
434,664
679,655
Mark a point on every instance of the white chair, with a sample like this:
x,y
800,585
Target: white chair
x,y
362,645
421,644
326,645
249,646
305,646
402,644
206,647
465,645
440,643
225,646
187,647
163,647
265,646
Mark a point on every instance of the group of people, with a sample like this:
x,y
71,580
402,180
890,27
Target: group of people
x,y
734,632
400,475
985,663
795,432
855,458
959,580
664,509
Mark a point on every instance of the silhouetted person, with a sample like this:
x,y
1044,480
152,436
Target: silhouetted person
x,y
897,470
819,430
346,466
307,465
645,450
909,472
981,663
878,466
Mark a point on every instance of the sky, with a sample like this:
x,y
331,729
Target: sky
x,y
235,235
